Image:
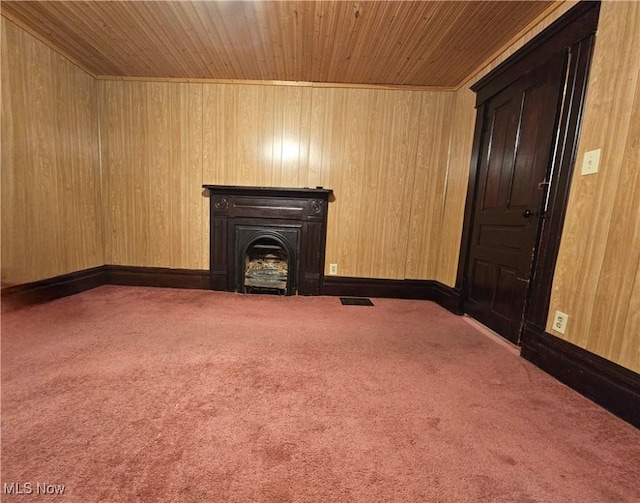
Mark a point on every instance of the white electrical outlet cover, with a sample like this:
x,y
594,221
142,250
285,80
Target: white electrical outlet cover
x,y
560,322
591,162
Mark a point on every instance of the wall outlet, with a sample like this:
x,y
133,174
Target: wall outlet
x,y
333,269
591,162
560,322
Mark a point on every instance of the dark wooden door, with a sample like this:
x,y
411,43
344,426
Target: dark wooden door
x,y
518,134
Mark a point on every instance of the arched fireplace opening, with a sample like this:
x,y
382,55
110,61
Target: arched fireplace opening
x,y
266,259
267,266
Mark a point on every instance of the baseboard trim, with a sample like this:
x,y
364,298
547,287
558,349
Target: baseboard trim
x,y
157,276
611,386
69,284
45,290
341,286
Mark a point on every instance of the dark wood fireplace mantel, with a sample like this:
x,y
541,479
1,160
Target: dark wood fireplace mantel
x,y
297,216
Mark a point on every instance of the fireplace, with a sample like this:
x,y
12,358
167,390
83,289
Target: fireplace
x,y
267,240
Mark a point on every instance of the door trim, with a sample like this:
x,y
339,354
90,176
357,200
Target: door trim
x,y
573,33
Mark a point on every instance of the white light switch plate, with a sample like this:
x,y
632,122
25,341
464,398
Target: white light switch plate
x,y
591,162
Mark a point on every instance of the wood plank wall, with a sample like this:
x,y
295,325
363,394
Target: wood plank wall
x,y
152,159
427,229
597,280
51,211
364,144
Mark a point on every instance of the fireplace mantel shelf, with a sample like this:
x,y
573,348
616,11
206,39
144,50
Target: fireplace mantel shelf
x,y
269,191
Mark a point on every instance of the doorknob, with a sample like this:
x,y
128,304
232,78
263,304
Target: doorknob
x,y
527,213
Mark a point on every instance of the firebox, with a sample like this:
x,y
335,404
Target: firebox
x,y
268,240
266,267
267,259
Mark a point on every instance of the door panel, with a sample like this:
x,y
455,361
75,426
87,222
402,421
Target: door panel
x,y
518,136
502,130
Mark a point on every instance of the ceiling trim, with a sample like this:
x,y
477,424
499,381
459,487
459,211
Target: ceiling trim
x,y
387,87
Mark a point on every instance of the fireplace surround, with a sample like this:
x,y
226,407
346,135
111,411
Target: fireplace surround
x,y
267,239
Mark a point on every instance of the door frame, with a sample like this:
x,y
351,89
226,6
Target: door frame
x,y
574,34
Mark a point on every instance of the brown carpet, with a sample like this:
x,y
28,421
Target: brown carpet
x,y
140,394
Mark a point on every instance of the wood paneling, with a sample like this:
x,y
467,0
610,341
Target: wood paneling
x,y
363,146
427,202
51,212
596,279
152,156
256,135
435,43
457,178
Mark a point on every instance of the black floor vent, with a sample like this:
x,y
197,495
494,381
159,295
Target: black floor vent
x,y
355,301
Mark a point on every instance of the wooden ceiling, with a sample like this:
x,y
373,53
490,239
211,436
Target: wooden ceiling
x,y
406,43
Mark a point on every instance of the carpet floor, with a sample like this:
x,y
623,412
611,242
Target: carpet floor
x,y
159,395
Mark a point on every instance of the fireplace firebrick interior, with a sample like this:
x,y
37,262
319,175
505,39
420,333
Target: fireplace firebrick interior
x,y
266,258
266,267
267,239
